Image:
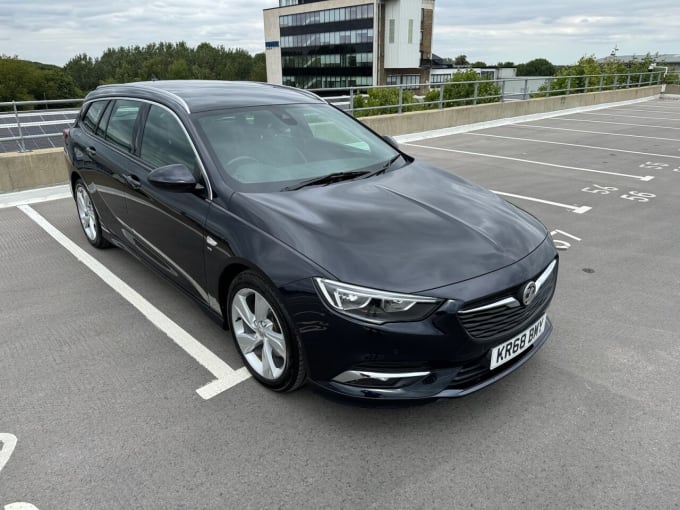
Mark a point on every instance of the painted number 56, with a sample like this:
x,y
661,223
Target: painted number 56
x,y
638,196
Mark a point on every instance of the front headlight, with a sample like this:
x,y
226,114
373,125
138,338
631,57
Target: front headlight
x,y
375,306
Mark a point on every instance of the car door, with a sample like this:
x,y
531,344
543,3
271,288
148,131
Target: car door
x,y
167,227
102,157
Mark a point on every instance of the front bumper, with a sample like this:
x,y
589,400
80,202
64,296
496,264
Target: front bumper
x,y
436,382
444,355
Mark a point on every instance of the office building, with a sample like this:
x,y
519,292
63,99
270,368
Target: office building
x,y
315,44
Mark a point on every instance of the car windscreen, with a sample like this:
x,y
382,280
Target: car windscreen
x,y
268,148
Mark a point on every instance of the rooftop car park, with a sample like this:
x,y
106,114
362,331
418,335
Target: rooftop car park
x,y
116,391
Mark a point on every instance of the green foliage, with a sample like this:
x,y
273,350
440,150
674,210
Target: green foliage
x,y
21,80
166,61
478,63
589,75
457,92
385,97
461,60
536,67
671,77
505,64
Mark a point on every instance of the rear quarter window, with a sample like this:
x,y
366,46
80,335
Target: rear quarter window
x,y
93,114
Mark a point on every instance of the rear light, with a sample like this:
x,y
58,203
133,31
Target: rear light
x,y
65,132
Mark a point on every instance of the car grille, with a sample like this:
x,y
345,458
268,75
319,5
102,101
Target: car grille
x,y
504,319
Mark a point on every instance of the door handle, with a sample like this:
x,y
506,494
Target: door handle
x,y
133,181
91,151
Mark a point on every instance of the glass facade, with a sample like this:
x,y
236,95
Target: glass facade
x,y
411,81
323,39
329,48
327,16
326,81
332,60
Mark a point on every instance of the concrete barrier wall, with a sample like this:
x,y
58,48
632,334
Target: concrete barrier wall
x,y
47,166
43,167
672,89
415,122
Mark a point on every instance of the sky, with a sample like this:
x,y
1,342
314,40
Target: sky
x,y
54,31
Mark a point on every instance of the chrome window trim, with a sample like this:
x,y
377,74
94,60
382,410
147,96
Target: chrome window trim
x,y
186,133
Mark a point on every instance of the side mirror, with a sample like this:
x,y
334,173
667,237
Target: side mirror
x,y
390,139
173,178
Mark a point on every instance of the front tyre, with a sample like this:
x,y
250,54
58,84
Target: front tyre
x,y
263,333
89,219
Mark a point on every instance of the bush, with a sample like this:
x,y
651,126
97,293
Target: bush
x,y
458,91
385,100
636,70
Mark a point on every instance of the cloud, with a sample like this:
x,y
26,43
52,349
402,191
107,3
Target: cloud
x,y
53,32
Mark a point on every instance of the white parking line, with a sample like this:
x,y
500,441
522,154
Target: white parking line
x,y
225,376
628,116
465,128
529,126
660,109
7,444
617,123
34,196
575,145
579,169
578,209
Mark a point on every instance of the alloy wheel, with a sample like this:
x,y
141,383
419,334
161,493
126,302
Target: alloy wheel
x,y
259,334
86,213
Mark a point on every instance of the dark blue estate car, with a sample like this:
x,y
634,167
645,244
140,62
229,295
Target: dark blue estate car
x,y
331,255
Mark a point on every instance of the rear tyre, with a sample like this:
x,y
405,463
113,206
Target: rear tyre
x,y
89,219
263,333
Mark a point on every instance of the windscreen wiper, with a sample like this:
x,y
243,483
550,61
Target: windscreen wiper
x,y
327,179
386,166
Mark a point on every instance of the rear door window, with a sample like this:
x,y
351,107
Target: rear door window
x,y
164,141
120,130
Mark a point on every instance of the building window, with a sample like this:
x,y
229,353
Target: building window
x,y
391,32
326,16
364,35
410,31
410,81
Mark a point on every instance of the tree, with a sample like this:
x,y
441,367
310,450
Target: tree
x,y
589,75
460,90
536,67
259,69
21,80
82,69
478,63
179,70
18,78
460,60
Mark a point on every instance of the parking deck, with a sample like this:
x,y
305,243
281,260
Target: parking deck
x,y
122,393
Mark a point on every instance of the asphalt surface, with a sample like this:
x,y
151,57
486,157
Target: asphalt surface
x,y
99,408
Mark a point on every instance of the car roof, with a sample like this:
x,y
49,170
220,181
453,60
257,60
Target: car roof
x,y
201,95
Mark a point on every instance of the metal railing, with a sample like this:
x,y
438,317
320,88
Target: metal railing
x,y
24,115
506,89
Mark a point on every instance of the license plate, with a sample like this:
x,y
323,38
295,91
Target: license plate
x,y
507,350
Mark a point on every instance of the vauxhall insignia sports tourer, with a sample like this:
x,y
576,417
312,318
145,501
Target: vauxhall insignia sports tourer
x,y
330,254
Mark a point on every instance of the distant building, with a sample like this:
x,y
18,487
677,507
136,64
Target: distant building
x,y
347,43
